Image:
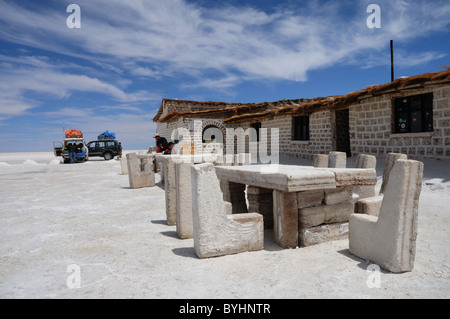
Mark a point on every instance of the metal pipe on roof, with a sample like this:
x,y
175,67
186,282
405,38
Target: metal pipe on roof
x,y
392,60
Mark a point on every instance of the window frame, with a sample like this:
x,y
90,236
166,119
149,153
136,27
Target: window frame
x,y
413,119
303,132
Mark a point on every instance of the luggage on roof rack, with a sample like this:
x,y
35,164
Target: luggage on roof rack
x,y
73,133
107,136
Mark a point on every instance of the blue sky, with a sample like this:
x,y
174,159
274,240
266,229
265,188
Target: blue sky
x,y
111,73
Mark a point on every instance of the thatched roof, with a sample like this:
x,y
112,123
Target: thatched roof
x,y
236,113
217,109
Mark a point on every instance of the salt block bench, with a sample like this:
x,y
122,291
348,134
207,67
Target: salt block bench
x,y
389,240
217,233
304,198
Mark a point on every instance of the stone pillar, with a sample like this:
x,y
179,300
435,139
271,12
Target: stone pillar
x,y
337,160
160,166
124,165
184,200
170,189
260,200
140,171
285,219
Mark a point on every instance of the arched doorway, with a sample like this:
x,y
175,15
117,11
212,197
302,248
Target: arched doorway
x,y
212,134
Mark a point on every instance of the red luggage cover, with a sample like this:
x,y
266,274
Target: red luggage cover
x,y
73,133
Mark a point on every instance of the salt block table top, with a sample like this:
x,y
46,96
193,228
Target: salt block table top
x,y
294,178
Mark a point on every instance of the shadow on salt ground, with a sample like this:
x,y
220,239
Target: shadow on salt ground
x,y
171,233
269,241
160,221
160,185
185,252
363,263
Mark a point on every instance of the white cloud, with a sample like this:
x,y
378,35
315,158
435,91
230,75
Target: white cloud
x,y
11,106
404,59
183,37
33,75
221,83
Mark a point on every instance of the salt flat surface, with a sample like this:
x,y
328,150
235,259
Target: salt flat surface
x,y
55,215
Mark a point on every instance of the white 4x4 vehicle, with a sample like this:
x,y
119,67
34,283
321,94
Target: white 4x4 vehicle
x,y
63,149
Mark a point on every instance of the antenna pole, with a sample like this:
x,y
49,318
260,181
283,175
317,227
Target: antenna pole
x,y
392,60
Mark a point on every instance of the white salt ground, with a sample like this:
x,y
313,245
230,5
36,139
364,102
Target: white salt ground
x,y
54,216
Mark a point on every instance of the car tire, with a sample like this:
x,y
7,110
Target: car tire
x,y
108,156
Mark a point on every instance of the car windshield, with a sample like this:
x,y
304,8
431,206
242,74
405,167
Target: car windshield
x,y
67,144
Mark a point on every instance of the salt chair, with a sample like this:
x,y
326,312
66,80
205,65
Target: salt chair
x,y
215,232
389,240
332,160
337,159
320,160
371,205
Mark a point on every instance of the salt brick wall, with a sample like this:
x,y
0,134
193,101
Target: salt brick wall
x,y
371,123
166,129
320,135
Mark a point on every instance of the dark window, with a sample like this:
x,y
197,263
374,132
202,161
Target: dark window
x,y
414,114
110,144
101,144
301,128
257,127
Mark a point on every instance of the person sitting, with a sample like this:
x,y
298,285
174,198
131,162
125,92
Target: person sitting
x,y
170,149
161,143
81,148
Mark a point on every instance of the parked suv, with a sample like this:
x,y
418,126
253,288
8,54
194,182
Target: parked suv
x,y
63,148
104,148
